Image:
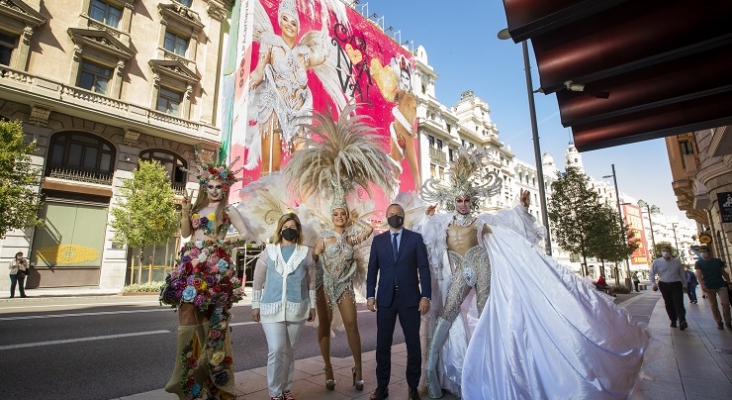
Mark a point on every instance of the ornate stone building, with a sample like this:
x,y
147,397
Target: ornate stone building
x,y
701,165
100,85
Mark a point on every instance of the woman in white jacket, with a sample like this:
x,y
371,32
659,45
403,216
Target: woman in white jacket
x,y
283,298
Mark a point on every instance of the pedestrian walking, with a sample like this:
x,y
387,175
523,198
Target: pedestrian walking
x,y
672,283
710,272
691,283
18,272
636,280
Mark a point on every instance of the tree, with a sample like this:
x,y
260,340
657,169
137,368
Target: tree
x,y
573,208
607,242
660,245
20,199
145,214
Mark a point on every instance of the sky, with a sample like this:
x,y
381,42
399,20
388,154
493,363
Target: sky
x,y
462,47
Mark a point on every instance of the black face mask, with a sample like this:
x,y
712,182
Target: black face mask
x,y
289,234
395,221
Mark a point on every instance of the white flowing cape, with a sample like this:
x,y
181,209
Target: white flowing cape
x,y
547,334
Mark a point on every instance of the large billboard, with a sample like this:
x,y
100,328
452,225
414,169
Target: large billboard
x,y
295,57
634,219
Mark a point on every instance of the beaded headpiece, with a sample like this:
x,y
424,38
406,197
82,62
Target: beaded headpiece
x,y
465,176
215,172
287,7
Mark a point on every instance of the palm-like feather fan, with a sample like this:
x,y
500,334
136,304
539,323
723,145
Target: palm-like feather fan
x,y
340,155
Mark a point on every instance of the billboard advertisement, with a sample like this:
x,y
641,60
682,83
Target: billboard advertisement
x,y
634,219
296,57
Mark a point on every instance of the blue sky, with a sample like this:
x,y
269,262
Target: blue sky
x,y
462,47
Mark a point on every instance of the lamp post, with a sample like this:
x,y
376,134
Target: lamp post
x,y
504,34
622,225
676,241
651,209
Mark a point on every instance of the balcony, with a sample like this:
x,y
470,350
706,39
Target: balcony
x,y
21,87
437,155
79,175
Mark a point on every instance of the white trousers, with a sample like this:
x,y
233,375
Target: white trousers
x,y
281,339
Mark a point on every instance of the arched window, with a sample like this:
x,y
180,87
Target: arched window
x,y
77,152
174,164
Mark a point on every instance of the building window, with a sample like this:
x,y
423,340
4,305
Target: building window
x,y
175,44
431,140
442,173
186,3
7,45
79,151
94,77
451,154
169,101
686,148
439,144
175,165
433,171
103,12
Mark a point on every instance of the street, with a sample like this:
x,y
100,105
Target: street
x,y
104,348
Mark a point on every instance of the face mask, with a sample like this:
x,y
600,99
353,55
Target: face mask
x,y
289,234
704,254
395,221
665,254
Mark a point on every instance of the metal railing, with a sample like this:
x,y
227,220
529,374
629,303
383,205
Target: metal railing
x,y
438,155
78,175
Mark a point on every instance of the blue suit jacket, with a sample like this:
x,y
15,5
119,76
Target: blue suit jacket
x,y
410,269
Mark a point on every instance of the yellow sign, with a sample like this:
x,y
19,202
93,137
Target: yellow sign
x,y
68,254
705,239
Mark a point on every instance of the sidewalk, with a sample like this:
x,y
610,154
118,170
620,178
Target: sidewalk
x,y
689,365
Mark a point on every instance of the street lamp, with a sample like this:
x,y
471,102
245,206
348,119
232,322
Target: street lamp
x,y
651,209
504,34
673,227
622,225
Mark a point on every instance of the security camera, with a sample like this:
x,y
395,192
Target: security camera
x,y
574,87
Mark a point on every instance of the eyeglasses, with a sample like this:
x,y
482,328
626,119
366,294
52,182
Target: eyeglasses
x,y
211,187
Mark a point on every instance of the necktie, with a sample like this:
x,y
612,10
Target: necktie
x,y
394,245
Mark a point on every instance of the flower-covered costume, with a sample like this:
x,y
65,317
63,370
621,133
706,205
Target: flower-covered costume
x,y
205,277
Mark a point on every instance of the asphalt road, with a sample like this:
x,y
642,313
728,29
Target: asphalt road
x,y
104,348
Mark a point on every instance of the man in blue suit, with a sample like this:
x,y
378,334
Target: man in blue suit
x,y
399,257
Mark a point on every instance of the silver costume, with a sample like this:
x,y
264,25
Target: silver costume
x,y
336,268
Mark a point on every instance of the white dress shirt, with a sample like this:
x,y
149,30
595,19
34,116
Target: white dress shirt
x,y
668,271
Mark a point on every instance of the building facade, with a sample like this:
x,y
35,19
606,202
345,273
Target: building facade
x,y
100,85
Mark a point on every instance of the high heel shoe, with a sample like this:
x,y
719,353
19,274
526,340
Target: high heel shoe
x,y
329,383
357,384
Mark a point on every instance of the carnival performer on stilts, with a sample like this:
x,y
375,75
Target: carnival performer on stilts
x,y
534,315
341,157
203,287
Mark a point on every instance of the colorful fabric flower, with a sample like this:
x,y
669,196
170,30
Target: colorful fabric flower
x,y
222,265
189,293
217,357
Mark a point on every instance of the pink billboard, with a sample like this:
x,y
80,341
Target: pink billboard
x,y
296,57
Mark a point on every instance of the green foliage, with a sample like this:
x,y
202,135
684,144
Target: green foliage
x,y
621,289
145,213
659,245
149,287
606,241
20,198
572,210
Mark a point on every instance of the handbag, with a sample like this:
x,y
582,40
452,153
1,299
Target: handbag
x,y
23,272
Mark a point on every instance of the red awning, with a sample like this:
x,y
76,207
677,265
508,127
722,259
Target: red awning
x,y
650,68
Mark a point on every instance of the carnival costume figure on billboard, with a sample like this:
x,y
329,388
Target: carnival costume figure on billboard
x,y
203,287
405,114
280,97
542,332
343,156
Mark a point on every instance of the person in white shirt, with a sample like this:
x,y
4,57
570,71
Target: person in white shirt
x,y
672,282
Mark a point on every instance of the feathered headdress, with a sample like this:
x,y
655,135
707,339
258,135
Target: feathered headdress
x,y
465,176
340,157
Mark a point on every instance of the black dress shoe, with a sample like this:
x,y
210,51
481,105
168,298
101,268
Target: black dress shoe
x,y
380,393
673,324
413,394
683,325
